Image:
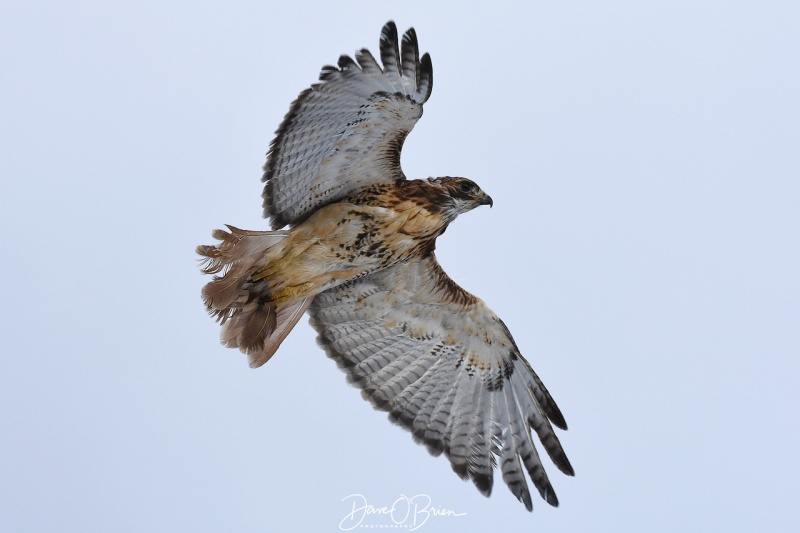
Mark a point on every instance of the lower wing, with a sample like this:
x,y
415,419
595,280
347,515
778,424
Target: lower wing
x,y
446,368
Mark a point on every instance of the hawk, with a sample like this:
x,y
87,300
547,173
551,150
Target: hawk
x,y
357,253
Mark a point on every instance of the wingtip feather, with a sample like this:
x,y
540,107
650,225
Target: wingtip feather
x,y
390,52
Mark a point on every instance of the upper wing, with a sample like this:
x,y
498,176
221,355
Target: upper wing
x,y
346,131
446,368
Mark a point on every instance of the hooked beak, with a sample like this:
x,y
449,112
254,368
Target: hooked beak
x,y
486,200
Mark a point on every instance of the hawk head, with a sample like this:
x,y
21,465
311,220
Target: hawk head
x,y
462,195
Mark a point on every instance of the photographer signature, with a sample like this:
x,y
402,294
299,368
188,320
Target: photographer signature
x,y
407,512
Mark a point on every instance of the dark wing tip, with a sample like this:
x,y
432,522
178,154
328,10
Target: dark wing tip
x,y
366,61
389,33
460,468
410,54
525,498
346,62
555,416
550,497
546,491
390,52
406,60
483,483
565,466
327,71
435,447
426,77
410,38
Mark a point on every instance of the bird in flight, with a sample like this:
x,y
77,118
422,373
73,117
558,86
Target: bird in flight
x,y
353,245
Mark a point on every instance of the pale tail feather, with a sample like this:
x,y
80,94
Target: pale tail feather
x,y
259,329
249,320
236,256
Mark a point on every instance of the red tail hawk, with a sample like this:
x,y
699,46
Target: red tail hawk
x,y
358,255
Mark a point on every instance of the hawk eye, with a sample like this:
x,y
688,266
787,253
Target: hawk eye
x,y
466,187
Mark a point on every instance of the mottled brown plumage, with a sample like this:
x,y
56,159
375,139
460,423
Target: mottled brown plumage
x,y
358,254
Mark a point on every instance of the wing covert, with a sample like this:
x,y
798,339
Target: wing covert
x,y
346,131
446,368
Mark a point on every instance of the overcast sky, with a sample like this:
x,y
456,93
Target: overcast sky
x,y
643,248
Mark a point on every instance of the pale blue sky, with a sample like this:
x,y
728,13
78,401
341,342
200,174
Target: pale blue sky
x,y
643,248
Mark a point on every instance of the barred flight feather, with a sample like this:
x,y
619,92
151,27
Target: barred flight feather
x,y
478,407
306,152
456,442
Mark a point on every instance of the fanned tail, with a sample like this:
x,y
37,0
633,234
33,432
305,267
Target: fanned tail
x,y
250,320
258,329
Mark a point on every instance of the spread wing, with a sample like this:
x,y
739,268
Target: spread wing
x,y
346,131
446,368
